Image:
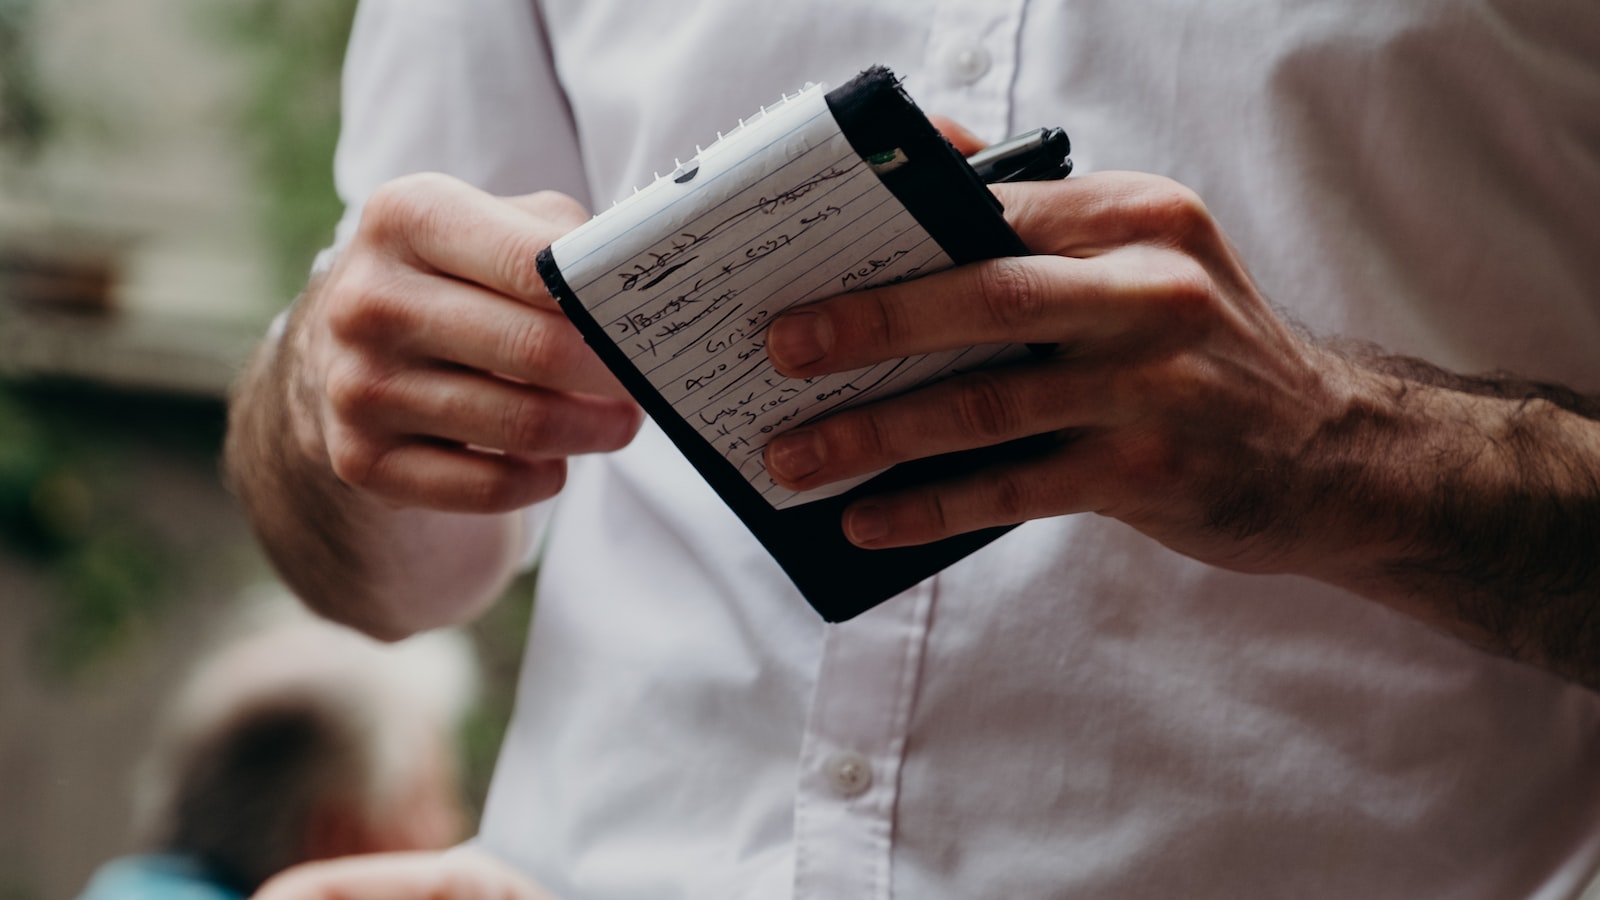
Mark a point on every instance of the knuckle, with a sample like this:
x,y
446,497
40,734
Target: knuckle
x,y
864,435
556,206
363,306
1149,460
394,207
529,342
984,409
1186,385
516,261
355,460
1008,496
1010,292
527,424
1188,295
494,491
412,210
882,321
510,485
353,389
1175,211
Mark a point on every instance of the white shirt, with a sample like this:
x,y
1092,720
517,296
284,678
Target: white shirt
x,y
1074,711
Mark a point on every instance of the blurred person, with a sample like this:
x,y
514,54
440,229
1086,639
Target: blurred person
x,y
300,740
1258,670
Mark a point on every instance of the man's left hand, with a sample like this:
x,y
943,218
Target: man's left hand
x,y
1179,401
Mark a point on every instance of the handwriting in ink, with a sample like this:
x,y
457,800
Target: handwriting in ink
x,y
751,416
726,411
705,378
755,367
907,275
838,391
685,241
820,215
682,243
872,266
638,322
770,427
768,205
771,245
671,328
668,271
714,326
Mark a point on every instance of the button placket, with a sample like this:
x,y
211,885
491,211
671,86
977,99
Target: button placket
x,y
851,752
971,58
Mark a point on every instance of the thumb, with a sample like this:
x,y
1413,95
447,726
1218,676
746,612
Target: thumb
x,y
963,140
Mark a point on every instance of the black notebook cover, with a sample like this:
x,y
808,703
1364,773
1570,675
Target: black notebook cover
x,y
935,184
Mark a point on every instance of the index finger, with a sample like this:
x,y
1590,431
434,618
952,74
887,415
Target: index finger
x,y
1034,300
1089,215
452,228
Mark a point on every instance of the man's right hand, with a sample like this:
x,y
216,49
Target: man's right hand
x,y
461,874
427,380
436,371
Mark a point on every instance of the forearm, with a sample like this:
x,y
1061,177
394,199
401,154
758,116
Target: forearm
x,y
385,570
1472,503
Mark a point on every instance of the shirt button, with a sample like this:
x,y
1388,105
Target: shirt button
x,y
967,63
850,774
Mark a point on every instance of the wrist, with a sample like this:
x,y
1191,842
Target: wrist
x,y
1476,511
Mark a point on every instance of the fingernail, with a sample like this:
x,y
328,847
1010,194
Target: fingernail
x,y
867,523
794,455
799,339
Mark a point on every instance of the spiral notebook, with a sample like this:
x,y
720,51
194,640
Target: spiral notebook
x,y
822,193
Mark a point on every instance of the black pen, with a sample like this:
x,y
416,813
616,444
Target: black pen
x,y
1038,155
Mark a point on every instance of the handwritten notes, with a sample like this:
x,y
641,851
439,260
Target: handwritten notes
x,y
686,275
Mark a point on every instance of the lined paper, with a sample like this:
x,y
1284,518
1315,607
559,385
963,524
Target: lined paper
x,y
686,275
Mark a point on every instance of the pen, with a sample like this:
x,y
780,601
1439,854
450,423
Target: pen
x,y
1037,155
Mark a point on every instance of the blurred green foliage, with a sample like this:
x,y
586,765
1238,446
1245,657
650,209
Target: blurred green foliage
x,y
65,510
62,508
288,119
24,115
65,513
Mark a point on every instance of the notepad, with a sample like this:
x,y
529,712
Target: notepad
x,y
822,193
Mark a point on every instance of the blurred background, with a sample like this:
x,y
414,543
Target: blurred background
x,y
164,183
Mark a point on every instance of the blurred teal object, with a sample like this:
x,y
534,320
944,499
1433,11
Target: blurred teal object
x,y
154,878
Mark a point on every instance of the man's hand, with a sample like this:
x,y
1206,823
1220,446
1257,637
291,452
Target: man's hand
x,y
427,380
437,371
463,874
1171,382
1179,402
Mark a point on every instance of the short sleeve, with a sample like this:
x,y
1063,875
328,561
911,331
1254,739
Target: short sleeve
x,y
463,87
